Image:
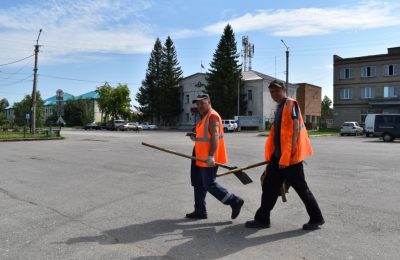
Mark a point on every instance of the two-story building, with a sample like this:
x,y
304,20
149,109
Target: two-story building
x,y
259,101
366,84
309,99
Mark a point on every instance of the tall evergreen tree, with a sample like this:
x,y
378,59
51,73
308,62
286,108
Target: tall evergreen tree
x,y
149,93
224,77
171,74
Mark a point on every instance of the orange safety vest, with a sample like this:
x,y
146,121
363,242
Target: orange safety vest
x,y
203,140
303,147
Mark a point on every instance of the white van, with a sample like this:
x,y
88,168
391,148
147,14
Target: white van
x,y
369,127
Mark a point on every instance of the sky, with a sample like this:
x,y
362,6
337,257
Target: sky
x,y
85,43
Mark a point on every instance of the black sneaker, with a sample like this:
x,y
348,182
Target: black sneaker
x,y
195,215
312,225
236,208
257,224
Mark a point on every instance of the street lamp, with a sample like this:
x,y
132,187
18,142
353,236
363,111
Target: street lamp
x,y
287,64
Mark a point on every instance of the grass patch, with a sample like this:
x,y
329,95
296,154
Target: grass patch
x,y
312,132
323,132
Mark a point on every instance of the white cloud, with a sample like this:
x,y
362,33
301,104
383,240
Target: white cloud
x,y
314,21
76,26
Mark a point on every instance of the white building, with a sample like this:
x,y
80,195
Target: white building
x,y
259,101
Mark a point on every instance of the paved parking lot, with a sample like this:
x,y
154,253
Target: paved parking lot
x,y
102,195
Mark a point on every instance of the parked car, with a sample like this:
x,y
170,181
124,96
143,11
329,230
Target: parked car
x,y
117,125
386,126
351,128
91,126
130,127
229,125
148,126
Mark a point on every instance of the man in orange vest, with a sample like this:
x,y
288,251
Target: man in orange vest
x,y
209,146
285,149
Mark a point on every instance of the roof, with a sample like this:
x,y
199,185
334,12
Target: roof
x,y
90,95
52,101
255,75
195,74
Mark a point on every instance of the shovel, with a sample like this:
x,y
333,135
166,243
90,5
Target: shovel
x,y
241,175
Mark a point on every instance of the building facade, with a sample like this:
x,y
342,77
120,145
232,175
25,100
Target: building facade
x,y
50,105
259,101
367,84
309,99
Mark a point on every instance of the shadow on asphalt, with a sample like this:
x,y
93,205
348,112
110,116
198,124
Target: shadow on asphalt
x,y
205,241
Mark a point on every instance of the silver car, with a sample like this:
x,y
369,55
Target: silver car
x,y
351,128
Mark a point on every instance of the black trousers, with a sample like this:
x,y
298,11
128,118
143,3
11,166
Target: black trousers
x,y
294,175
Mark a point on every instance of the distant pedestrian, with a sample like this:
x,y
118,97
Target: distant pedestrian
x,y
209,146
286,148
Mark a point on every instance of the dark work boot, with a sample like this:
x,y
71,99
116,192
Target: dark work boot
x,y
313,225
195,215
236,208
257,224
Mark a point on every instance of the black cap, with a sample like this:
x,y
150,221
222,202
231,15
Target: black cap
x,y
276,84
201,97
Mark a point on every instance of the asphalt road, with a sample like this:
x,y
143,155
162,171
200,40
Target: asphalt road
x,y
102,195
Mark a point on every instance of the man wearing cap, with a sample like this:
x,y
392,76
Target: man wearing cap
x,y
285,149
209,146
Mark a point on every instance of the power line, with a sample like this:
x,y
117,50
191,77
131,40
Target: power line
x,y
86,80
16,82
17,60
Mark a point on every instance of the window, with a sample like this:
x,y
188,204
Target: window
x,y
249,113
187,99
187,117
346,73
249,94
346,93
369,71
308,119
389,91
367,92
391,70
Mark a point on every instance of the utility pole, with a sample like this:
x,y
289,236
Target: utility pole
x,y
238,99
287,65
34,85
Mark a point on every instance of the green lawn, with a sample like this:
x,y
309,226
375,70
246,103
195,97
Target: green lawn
x,y
313,132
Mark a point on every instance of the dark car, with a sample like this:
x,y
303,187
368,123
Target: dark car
x,y
92,126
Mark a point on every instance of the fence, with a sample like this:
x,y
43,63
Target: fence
x,y
15,132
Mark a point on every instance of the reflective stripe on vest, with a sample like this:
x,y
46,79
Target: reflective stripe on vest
x,y
203,140
205,137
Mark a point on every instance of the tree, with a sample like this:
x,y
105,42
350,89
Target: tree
x,y
78,112
3,104
103,100
149,93
326,109
171,74
25,107
224,76
114,102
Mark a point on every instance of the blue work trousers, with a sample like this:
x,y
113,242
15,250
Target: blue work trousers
x,y
203,181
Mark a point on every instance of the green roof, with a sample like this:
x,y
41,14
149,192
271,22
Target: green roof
x,y
52,101
89,95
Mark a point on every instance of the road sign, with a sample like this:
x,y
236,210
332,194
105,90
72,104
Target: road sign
x,y
27,116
